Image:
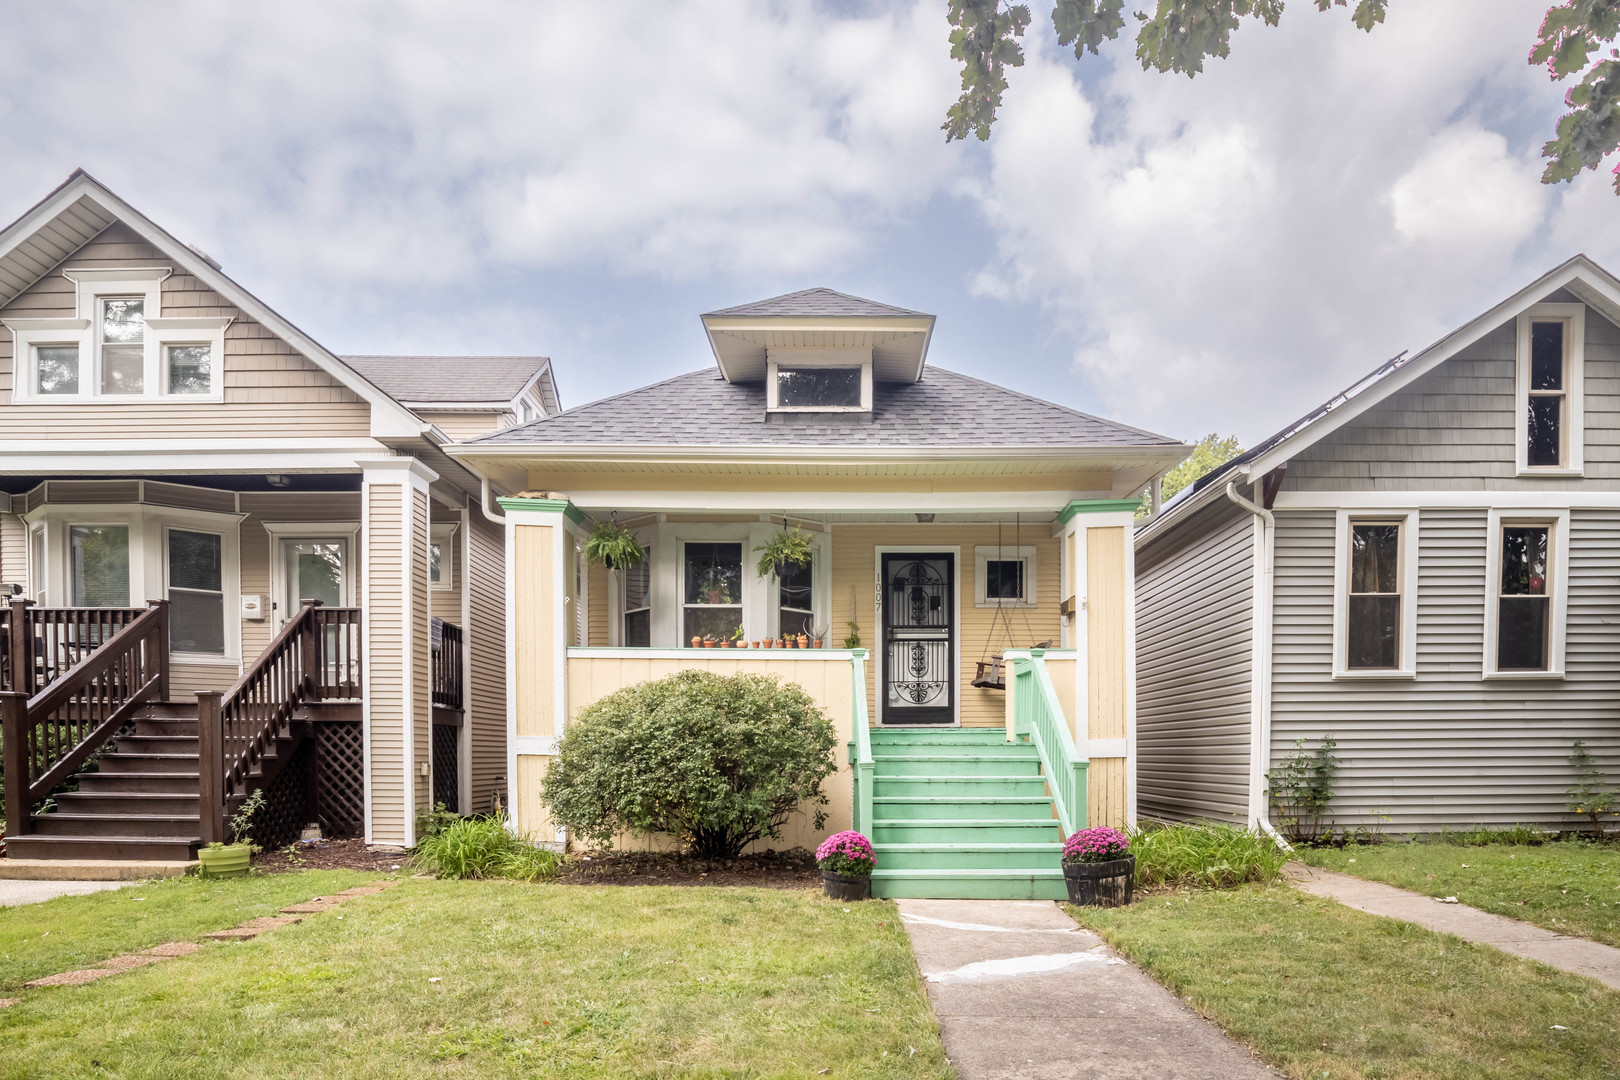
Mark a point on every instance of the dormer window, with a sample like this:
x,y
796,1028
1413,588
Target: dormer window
x,y
819,380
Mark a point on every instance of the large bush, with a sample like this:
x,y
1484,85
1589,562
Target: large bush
x,y
718,761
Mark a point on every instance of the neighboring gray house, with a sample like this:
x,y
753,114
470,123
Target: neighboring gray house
x,y
1426,568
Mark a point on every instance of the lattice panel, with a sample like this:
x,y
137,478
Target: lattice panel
x,y
286,807
340,779
446,766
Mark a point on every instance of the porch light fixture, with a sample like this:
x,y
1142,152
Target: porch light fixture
x,y
925,519
278,480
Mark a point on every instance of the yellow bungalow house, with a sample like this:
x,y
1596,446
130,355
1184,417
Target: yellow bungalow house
x,y
967,617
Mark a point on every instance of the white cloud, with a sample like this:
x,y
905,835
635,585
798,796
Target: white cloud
x,y
1469,196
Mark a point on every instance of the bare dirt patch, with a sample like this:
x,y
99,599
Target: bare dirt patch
x,y
794,869
328,855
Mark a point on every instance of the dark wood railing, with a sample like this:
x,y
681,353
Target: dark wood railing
x,y
447,668
316,656
103,667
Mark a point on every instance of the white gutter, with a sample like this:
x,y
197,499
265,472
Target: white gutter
x,y
483,504
1265,561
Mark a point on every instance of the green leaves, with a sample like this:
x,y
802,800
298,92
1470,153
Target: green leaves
x,y
1368,13
1572,32
1590,131
986,42
1182,32
1086,24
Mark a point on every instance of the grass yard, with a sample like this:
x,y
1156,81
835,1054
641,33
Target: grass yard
x,y
1322,991
78,931
536,980
1571,887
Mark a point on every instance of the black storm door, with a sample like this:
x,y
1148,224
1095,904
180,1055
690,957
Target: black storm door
x,y
919,639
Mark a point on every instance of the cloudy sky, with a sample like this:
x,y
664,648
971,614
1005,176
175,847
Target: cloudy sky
x,y
582,180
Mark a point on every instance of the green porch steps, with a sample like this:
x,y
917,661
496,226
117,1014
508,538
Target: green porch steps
x,y
962,813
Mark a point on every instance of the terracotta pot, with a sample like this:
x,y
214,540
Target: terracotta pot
x,y
709,643
818,643
769,643
790,643
697,642
756,644
714,596
804,641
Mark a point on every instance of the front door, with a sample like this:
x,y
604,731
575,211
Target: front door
x,y
313,568
919,639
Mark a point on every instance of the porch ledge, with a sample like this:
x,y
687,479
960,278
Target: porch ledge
x,y
597,652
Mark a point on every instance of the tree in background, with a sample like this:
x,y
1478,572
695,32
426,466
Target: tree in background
x,y
1181,33
1211,452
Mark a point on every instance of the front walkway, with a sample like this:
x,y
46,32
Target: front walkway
x,y
1572,954
1021,991
13,893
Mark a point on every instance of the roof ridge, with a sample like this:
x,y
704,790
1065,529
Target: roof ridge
x,y
815,289
931,368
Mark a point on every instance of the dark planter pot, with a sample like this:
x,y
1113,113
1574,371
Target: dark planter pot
x,y
1101,884
846,886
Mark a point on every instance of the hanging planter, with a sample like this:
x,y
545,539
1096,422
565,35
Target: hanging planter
x,y
787,550
614,546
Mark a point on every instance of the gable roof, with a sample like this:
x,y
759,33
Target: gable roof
x,y
818,301
943,410
1584,278
465,381
82,207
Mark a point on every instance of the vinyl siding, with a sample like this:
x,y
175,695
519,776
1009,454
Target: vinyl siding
x,y
596,589
1194,632
1448,749
421,649
1453,429
14,548
486,655
466,425
385,639
259,550
270,389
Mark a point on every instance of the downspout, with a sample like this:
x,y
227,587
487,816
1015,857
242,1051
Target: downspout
x,y
1260,658
483,504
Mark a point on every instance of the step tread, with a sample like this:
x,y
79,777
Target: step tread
x,y
961,798
978,872
945,845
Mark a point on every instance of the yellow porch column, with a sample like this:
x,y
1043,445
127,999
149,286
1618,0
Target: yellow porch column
x,y
397,703
1099,575
541,540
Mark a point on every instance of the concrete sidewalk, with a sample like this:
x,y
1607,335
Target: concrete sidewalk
x,y
1572,954
1021,991
13,893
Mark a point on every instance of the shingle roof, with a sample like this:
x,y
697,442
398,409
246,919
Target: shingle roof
x,y
448,378
815,302
945,409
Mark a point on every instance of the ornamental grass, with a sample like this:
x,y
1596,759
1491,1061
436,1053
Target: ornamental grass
x,y
1204,856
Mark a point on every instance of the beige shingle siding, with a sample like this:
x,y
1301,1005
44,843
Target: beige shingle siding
x,y
421,703
13,549
465,425
487,659
1453,429
1195,613
385,677
270,389
1449,748
258,549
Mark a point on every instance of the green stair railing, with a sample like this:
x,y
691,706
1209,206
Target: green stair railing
x,y
1038,714
860,744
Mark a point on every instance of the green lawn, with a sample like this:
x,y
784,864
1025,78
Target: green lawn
x,y
79,931
536,980
1322,991
1571,887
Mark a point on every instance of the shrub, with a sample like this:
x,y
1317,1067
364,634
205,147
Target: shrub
x,y
1300,789
1592,794
435,821
718,761
1518,835
1206,856
847,853
483,847
1096,845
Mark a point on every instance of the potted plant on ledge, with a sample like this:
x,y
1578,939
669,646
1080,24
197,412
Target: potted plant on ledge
x,y
1098,867
846,860
231,860
614,546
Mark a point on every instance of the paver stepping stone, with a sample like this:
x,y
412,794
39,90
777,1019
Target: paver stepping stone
x,y
73,978
6,1003
174,948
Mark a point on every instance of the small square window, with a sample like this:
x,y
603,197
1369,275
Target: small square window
x,y
190,369
1004,579
56,369
1004,576
818,388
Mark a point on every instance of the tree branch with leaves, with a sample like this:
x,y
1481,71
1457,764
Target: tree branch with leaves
x,y
1180,34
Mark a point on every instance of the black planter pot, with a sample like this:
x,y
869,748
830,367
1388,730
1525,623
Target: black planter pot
x,y
846,886
1101,884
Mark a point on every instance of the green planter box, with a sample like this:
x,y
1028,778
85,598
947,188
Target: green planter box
x,y
228,861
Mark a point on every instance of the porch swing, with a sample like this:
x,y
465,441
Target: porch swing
x,y
992,671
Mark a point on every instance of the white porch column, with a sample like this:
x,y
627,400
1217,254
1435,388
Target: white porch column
x,y
541,536
398,697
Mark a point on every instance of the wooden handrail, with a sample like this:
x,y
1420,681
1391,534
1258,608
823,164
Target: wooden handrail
x,y
1038,714
860,744
50,735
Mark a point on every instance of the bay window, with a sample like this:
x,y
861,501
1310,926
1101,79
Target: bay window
x,y
712,579
98,565
638,604
795,593
196,592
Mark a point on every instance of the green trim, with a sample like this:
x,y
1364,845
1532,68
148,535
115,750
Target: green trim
x,y
545,506
1097,506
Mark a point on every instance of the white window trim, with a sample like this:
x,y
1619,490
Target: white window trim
x,y
809,358
761,617
1558,559
984,554
444,535
1574,422
347,531
228,613
617,598
1407,579
163,332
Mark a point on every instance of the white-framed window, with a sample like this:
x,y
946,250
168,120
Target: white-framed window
x,y
1526,593
795,601
1375,594
818,380
1549,390
711,590
442,557
118,347
195,569
98,565
1004,576
636,628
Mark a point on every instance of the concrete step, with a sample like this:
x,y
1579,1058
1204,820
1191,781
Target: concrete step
x,y
970,884
1009,807
956,765
114,802
161,849
943,856
115,825
979,785
972,831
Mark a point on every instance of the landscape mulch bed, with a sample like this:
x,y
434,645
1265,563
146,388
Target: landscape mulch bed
x,y
328,855
767,870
